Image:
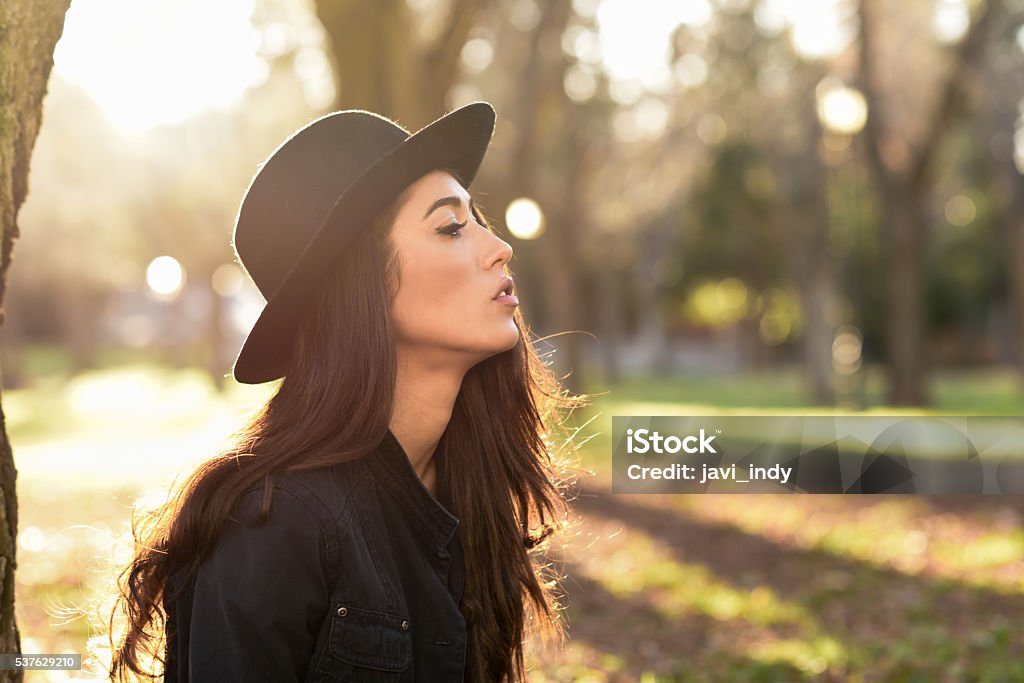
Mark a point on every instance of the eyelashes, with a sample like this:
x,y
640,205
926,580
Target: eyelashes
x,y
453,229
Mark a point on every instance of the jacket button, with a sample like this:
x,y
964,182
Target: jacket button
x,y
342,611
405,625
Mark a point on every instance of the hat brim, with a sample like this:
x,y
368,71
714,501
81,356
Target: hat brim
x,y
456,141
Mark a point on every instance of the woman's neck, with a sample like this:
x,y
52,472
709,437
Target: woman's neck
x,y
424,398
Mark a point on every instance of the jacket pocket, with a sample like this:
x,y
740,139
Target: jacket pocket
x,y
367,646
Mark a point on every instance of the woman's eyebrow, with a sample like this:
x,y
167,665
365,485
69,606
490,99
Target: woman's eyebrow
x,y
447,201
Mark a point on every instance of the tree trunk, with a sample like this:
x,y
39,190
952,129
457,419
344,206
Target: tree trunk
x,y
902,186
1015,265
562,269
1010,211
541,123
29,30
1004,86
903,228
381,65
818,279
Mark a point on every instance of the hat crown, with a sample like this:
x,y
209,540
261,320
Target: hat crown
x,y
317,191
298,184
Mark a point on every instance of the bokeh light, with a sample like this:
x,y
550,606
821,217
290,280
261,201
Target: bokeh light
x,y
718,303
690,71
524,218
477,54
523,14
960,210
580,83
846,350
841,109
165,277
782,317
644,121
227,280
820,28
950,20
711,128
583,44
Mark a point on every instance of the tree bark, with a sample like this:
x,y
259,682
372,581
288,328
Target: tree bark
x,y
29,30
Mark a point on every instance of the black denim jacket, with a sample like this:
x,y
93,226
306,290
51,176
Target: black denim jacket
x,y
356,575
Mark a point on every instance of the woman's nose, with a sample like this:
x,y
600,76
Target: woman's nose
x,y
500,251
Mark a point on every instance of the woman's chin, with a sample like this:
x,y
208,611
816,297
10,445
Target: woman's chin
x,y
502,343
513,338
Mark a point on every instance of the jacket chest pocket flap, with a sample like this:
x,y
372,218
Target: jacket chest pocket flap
x,y
367,645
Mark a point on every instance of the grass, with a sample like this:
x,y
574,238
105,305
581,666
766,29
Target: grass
x,y
658,588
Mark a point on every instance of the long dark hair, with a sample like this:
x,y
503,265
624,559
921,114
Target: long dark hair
x,y
333,405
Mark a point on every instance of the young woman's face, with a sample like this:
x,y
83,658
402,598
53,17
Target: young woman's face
x,y
450,270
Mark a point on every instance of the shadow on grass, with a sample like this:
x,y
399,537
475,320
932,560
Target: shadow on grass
x,y
645,640
891,624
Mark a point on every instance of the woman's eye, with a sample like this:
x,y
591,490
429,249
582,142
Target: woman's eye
x,y
453,229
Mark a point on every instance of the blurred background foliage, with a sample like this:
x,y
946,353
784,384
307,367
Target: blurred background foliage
x,y
748,205
706,186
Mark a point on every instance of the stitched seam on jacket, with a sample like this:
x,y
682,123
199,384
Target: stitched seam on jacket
x,y
338,525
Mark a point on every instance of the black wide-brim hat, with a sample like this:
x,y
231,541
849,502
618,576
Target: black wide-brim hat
x,y
319,189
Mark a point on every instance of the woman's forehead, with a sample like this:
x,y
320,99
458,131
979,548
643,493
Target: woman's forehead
x,y
435,185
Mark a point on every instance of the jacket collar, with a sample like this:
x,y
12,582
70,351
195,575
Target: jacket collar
x,y
395,473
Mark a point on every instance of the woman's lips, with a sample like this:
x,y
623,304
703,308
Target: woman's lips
x,y
505,286
506,299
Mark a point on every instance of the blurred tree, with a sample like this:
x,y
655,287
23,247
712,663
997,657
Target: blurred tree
x,y
967,311
761,210
30,31
815,262
81,178
388,60
1003,91
548,164
902,173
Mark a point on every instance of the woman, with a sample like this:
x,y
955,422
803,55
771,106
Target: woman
x,y
378,519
